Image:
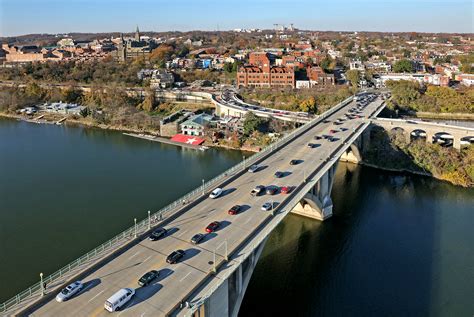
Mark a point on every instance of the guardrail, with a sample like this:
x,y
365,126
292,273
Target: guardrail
x,y
144,225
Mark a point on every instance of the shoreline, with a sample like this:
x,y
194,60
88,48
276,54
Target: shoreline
x,y
123,129
244,149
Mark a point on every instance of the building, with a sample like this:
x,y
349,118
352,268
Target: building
x,y
356,65
24,54
261,73
196,125
133,47
317,76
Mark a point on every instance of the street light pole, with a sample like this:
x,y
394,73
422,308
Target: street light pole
x,y
42,284
243,159
202,187
149,220
135,220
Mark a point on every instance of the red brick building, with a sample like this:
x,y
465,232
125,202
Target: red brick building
x,y
273,76
317,75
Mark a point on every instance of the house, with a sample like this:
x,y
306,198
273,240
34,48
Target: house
x,y
197,124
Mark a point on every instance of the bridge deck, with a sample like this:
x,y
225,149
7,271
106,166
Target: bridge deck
x,y
177,282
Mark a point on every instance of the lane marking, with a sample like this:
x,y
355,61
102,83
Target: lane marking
x,y
90,300
185,277
146,259
136,253
179,235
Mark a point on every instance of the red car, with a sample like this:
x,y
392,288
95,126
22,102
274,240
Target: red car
x,y
234,210
285,190
332,131
212,226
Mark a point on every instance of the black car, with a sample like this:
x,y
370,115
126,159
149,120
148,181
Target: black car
x,y
327,137
271,190
197,238
174,256
158,233
318,137
294,162
278,174
148,277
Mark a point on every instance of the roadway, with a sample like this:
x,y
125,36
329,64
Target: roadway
x,y
176,282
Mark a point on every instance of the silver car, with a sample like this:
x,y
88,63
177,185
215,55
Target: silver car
x,y
69,291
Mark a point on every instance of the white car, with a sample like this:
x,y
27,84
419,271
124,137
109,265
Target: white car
x,y
267,206
69,291
253,168
216,193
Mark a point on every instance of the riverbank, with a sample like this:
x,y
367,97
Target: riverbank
x,y
421,158
149,133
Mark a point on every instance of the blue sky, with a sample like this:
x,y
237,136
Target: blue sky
x,y
62,16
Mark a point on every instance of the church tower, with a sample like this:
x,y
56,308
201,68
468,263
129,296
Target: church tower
x,y
137,35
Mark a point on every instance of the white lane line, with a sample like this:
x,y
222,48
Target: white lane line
x,y
248,220
136,253
142,315
90,300
146,259
179,235
184,277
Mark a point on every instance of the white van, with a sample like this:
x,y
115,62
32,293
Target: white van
x,y
116,301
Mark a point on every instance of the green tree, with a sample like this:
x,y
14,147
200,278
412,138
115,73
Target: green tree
x,y
353,76
253,123
403,66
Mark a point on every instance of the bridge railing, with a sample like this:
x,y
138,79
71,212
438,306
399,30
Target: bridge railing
x,y
62,275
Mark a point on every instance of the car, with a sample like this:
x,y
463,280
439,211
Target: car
x,y
148,277
212,226
216,193
175,256
254,168
158,233
271,190
234,210
337,123
318,137
293,162
310,145
267,206
327,137
278,174
197,238
334,139
257,190
69,291
332,131
344,129
285,189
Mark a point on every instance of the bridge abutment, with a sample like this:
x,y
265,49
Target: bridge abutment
x,y
317,203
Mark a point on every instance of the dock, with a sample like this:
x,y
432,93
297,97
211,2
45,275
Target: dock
x,y
61,121
166,141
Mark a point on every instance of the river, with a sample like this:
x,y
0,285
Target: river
x,y
396,246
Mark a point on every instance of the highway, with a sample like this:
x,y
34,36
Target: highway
x,y
177,281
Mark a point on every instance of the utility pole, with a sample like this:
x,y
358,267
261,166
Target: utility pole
x,y
135,221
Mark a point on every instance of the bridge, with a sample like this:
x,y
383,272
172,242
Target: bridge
x,y
443,134
212,277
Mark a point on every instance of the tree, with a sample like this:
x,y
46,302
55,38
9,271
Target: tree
x,y
252,123
353,76
403,66
308,105
326,64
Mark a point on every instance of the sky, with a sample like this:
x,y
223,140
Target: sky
x,y
19,17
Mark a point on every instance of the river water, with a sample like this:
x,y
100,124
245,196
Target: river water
x,y
397,245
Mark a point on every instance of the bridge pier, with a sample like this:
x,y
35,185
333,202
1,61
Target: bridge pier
x,y
225,301
317,203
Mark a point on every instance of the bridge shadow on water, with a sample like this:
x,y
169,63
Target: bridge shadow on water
x,y
372,258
